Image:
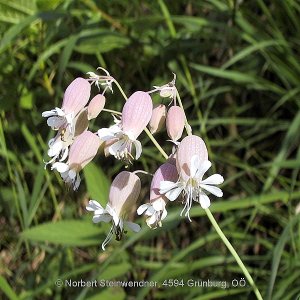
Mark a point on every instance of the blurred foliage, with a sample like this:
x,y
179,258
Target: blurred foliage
x,y
237,64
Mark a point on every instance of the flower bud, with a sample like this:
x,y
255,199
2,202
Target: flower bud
x,y
95,106
158,118
175,122
124,192
76,96
190,146
136,113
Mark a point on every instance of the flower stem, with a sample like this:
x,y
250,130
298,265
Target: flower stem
x,y
154,141
234,253
112,111
120,89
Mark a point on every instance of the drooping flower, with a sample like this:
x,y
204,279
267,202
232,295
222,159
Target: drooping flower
x,y
76,97
158,118
70,120
175,122
123,194
167,90
59,145
82,151
104,80
136,115
192,163
156,209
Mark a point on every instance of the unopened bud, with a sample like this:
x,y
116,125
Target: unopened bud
x,y
175,122
95,106
158,118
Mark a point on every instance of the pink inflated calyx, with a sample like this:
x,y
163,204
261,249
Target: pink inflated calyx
x,y
136,113
124,192
95,106
76,96
175,122
83,150
166,171
190,146
158,118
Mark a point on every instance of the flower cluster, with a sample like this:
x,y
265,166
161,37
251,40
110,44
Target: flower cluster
x,y
180,177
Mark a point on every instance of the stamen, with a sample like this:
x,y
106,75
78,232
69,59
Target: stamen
x,y
108,238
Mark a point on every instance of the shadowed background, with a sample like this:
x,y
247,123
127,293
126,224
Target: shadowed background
x,y
238,74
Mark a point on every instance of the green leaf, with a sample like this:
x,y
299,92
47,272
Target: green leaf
x,y
67,232
97,183
278,250
14,11
7,290
100,41
115,271
116,293
252,80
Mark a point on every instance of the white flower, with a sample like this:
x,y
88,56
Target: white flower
x,y
167,90
104,80
193,186
82,151
107,215
155,211
122,146
120,137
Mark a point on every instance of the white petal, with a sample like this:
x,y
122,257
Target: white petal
x,y
164,214
105,134
60,167
94,205
142,209
60,112
55,148
102,218
70,118
165,186
204,201
158,205
116,147
195,165
151,220
212,189
173,194
150,211
55,122
133,226
72,174
204,166
49,113
213,179
138,149
114,215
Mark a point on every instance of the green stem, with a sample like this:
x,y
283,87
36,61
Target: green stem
x,y
234,253
154,141
112,111
120,89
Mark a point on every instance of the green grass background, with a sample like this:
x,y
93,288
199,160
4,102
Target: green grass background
x,y
238,73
